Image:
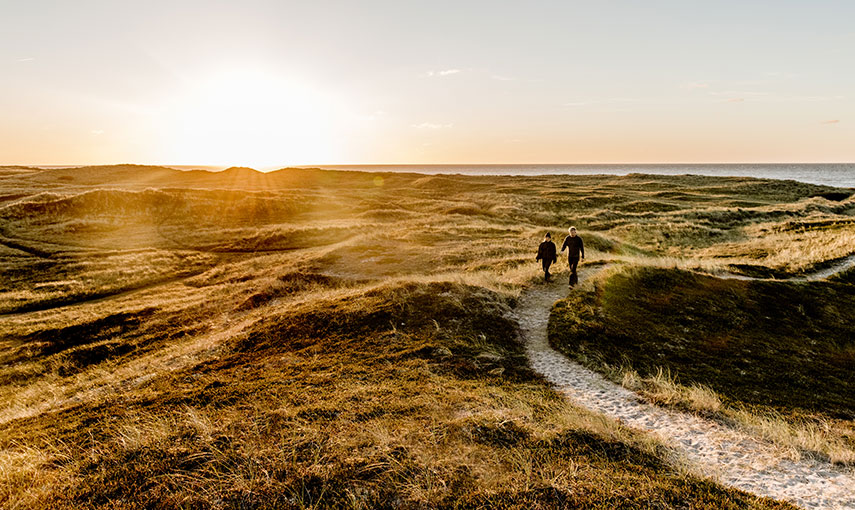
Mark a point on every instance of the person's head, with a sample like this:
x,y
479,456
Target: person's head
x,y
548,236
572,231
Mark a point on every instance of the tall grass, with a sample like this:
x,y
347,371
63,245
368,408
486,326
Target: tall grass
x,y
814,437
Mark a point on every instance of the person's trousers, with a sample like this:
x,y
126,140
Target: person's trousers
x,y
546,264
574,262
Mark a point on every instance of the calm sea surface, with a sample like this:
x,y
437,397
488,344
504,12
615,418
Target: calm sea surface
x,y
831,174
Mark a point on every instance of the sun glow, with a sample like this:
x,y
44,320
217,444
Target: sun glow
x,y
251,118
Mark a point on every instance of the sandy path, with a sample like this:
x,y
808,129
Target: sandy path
x,y
715,450
837,267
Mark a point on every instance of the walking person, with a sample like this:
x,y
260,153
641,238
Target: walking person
x,y
547,254
575,249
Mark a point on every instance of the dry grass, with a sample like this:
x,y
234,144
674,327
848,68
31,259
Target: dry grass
x,y
309,339
826,439
662,388
786,249
816,437
623,323
807,249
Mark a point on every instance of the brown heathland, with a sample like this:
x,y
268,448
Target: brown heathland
x,y
311,339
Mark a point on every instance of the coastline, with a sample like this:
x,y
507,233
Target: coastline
x,y
841,175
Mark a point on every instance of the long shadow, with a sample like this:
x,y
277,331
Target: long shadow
x,y
97,296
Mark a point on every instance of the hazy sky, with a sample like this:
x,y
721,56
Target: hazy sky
x,y
321,82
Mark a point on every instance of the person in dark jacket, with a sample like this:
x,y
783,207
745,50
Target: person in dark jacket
x,y
575,249
546,253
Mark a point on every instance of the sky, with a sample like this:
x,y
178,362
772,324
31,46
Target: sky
x,y
273,83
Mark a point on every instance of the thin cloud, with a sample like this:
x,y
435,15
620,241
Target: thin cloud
x,y
431,125
745,93
780,74
813,98
774,98
696,85
500,77
377,114
610,100
97,132
24,59
735,100
832,121
443,72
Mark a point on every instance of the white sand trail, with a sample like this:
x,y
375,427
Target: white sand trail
x,y
727,455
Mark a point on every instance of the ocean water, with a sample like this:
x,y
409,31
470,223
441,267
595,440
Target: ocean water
x,y
831,174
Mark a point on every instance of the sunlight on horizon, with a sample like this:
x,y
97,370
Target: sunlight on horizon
x,y
249,117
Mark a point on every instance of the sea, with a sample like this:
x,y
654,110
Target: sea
x,y
841,175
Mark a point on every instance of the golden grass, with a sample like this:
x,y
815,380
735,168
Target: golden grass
x,y
827,438
816,437
804,250
310,339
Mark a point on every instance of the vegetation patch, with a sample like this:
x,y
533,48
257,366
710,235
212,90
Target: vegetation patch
x,y
373,417
322,339
778,344
640,206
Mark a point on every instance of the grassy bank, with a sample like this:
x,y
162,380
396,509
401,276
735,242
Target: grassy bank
x,y
762,347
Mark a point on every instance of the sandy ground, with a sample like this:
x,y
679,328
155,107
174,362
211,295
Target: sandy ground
x,y
711,449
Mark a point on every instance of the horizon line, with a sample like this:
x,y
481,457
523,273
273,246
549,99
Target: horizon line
x,y
276,167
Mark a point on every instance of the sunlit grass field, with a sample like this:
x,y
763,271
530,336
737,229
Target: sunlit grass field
x,y
312,339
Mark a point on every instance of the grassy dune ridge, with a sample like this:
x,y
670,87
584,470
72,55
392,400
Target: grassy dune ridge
x,y
308,338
